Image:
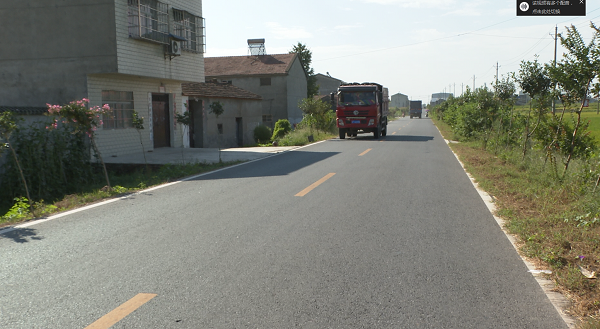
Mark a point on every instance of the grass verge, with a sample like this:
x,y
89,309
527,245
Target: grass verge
x,y
556,223
303,136
124,179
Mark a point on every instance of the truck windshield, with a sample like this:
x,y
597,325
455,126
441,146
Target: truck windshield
x,y
357,98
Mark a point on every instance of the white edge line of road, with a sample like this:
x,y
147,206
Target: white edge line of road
x,y
560,302
94,205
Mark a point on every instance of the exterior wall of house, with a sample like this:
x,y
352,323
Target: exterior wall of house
x,y
115,142
296,91
327,85
247,109
147,58
274,96
399,100
49,45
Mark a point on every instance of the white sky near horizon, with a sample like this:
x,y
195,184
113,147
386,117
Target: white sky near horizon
x,y
412,47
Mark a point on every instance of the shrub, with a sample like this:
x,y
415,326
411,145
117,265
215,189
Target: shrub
x,y
282,127
317,114
299,137
54,162
262,134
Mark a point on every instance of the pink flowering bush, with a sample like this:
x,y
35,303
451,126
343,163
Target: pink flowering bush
x,y
79,115
83,119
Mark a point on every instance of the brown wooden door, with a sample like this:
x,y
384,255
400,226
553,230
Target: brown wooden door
x,y
160,121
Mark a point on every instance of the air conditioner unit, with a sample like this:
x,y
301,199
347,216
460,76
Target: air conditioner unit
x,y
175,48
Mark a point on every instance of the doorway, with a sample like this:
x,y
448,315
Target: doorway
x,y
196,124
160,121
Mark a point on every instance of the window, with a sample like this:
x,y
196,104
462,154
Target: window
x,y
121,105
148,19
357,98
265,81
267,120
191,28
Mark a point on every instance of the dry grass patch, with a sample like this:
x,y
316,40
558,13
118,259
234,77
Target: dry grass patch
x,y
547,218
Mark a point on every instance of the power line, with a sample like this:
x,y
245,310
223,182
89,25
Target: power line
x,y
417,43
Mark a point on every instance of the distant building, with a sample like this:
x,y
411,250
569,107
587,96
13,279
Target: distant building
x,y
399,100
327,84
522,98
439,97
279,79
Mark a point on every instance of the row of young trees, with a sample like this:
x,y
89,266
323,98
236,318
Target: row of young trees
x,y
567,84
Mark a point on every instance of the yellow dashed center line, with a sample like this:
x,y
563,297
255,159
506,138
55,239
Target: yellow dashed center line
x,y
394,133
315,184
120,312
365,152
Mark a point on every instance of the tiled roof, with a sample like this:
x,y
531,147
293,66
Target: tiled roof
x,y
248,65
217,90
24,110
327,77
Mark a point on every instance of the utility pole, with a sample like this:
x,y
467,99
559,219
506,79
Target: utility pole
x,y
454,94
497,66
473,82
462,88
554,64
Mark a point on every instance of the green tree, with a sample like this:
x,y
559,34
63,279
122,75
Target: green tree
x,y
317,114
8,124
83,119
534,79
138,124
186,120
305,55
575,75
217,109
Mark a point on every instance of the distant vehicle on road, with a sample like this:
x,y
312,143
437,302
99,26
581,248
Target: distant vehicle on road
x,y
416,109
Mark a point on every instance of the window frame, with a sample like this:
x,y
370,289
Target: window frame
x,y
148,20
265,81
267,119
122,106
190,27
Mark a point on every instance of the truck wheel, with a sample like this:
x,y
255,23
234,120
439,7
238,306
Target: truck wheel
x,y
342,133
384,131
377,132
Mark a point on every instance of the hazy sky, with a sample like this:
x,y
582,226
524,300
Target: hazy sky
x,y
413,47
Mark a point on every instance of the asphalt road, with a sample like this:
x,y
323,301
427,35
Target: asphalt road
x,y
354,233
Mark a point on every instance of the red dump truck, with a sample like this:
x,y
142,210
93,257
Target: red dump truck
x,y
362,108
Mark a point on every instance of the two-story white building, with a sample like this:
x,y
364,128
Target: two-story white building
x,y
131,54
